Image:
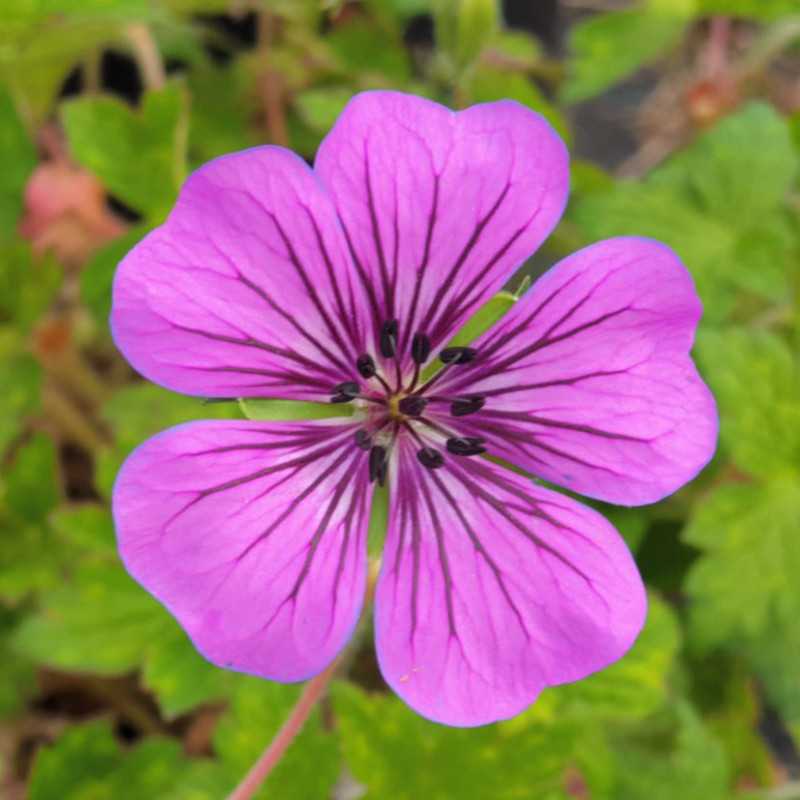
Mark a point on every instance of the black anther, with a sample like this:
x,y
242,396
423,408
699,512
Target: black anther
x,y
344,392
377,464
467,405
430,458
363,439
413,405
420,348
458,355
465,446
347,387
388,342
365,365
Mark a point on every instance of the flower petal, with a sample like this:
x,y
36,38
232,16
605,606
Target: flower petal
x,y
588,379
440,207
254,536
493,588
246,289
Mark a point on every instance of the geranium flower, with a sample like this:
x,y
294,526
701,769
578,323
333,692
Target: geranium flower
x,y
341,284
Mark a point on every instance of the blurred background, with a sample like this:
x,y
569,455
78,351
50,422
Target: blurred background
x,y
683,118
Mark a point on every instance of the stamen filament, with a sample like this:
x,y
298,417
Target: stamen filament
x,y
383,382
415,377
378,400
433,379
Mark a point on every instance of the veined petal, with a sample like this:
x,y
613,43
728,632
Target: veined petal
x,y
246,290
439,207
493,588
254,536
588,381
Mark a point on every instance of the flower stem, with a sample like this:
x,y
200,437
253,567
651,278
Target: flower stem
x,y
271,81
312,693
147,55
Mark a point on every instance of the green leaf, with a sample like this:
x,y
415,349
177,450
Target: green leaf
x,y
31,488
20,378
716,172
518,47
731,702
396,754
32,558
19,675
27,286
378,521
87,527
586,177
87,763
766,254
401,9
77,765
97,275
38,50
19,159
483,319
608,47
142,410
268,409
695,768
477,324
745,583
774,655
220,119
139,156
764,10
179,676
756,381
101,621
320,107
731,232
464,28
369,56
41,554
632,523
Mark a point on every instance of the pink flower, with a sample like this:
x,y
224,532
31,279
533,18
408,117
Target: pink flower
x,y
270,279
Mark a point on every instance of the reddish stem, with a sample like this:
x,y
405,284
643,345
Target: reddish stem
x,y
716,54
259,772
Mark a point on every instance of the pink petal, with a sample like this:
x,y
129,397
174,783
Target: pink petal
x,y
440,207
493,588
253,536
246,289
588,379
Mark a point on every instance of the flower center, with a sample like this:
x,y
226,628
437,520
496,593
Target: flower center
x,y
409,409
394,407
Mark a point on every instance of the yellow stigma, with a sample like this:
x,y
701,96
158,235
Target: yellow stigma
x,y
394,407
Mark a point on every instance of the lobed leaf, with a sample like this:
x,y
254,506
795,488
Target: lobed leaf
x,y
139,156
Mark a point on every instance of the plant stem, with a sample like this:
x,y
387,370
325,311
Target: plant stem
x,y
271,82
771,42
147,56
716,53
312,693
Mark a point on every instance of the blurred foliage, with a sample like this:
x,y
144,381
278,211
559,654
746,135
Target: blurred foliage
x,y
106,105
